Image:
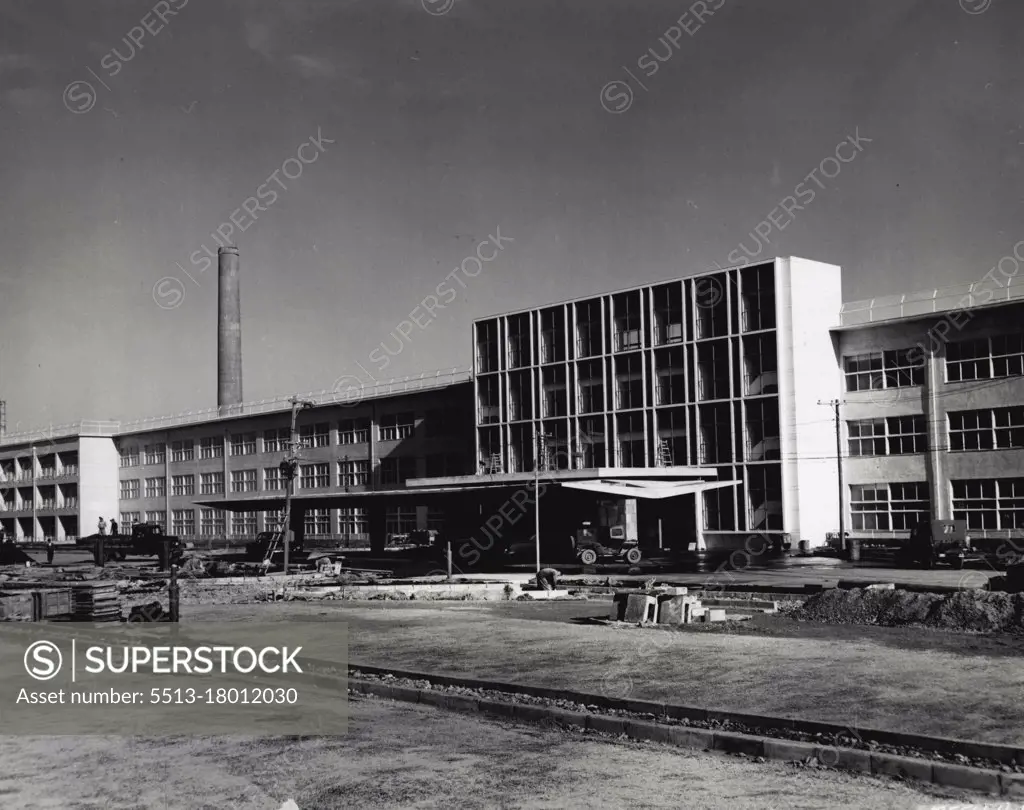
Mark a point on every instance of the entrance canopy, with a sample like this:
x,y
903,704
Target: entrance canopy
x,y
647,489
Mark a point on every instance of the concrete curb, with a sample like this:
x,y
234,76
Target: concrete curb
x,y
943,745
847,759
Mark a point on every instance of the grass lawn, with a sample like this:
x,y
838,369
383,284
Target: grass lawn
x,y
919,681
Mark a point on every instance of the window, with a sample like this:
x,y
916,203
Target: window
x,y
671,388
182,451
129,519
629,382
211,523
552,335
243,481
276,440
243,444
985,358
130,489
909,504
626,308
1008,356
156,487
275,521
314,476
758,298
397,470
354,431
880,370
211,483
588,329
668,314
713,374
155,453
906,435
243,524
518,341
318,435
631,451
1009,427
990,504
130,457
157,516
867,437
318,522
487,346
553,392
970,430
435,519
183,522
869,507
397,426
353,521
272,478
211,447
354,473
183,485
399,520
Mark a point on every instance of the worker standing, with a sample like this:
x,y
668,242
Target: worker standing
x,y
49,550
102,527
113,527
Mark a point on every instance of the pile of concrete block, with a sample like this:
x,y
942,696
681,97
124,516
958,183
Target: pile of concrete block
x,y
671,606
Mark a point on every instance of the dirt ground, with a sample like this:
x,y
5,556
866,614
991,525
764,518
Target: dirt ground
x,y
403,756
913,680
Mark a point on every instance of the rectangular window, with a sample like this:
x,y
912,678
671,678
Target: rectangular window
x,y
397,426
970,430
353,521
397,470
1009,427
243,524
276,440
243,444
353,431
272,478
909,503
354,472
156,487
183,522
211,447
906,435
211,523
867,437
1008,356
869,507
130,489
968,360
243,481
318,522
182,451
977,503
399,521
183,485
211,483
274,521
155,453
157,516
881,370
130,457
129,519
314,476
318,435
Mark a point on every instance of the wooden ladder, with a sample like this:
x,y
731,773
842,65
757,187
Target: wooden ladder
x,y
665,454
495,466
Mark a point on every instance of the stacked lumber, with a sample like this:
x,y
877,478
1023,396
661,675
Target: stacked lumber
x,y
96,602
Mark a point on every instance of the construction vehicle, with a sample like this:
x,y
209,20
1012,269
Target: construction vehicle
x,y
605,542
937,541
145,540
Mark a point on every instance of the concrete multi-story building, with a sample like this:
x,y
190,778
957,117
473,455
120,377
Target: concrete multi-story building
x,y
700,409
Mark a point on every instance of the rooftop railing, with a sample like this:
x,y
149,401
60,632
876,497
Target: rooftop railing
x,y
930,302
84,428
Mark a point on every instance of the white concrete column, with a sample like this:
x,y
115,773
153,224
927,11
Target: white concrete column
x,y
698,516
935,414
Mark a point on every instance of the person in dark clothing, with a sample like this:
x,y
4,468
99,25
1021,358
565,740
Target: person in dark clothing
x,y
547,578
113,527
49,550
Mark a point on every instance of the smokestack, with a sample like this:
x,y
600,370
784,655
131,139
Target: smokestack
x,y
229,330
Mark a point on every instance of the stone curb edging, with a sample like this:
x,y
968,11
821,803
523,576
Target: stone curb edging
x,y
940,745
848,759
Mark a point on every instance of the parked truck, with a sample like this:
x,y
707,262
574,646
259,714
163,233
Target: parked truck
x,y
593,543
145,540
934,542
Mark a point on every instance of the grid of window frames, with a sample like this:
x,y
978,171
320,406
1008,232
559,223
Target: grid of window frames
x,y
183,522
243,481
211,447
211,523
353,431
397,426
891,436
888,507
317,522
155,453
157,516
182,451
243,524
989,429
353,521
276,440
318,435
129,457
880,370
399,520
985,358
130,489
183,485
314,476
989,503
129,519
243,444
156,487
354,472
273,478
397,470
211,483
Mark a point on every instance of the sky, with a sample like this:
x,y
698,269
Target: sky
x,y
606,143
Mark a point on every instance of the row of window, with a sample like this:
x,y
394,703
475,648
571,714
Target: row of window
x,y
391,427
989,429
351,473
215,522
983,504
980,359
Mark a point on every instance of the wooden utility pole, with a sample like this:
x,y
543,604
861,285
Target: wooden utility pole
x,y
289,467
834,404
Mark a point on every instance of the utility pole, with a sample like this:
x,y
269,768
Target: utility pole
x,y
536,494
288,469
834,404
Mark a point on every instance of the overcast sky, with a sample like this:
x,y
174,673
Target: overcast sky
x,y
429,125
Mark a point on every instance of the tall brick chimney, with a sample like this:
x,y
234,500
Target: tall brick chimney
x,y
229,330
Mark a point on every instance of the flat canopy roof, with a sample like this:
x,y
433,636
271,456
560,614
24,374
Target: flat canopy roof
x,y
635,482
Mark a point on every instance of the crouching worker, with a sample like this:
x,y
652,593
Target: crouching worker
x,y
547,578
